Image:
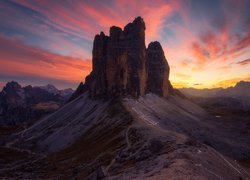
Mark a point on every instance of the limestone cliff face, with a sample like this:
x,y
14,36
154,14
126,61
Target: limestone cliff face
x,y
158,70
123,66
135,40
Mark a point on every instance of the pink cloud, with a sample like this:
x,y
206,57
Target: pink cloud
x,y
244,62
200,54
18,58
2,84
86,20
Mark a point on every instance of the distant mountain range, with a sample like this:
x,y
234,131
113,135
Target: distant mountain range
x,y
18,104
241,89
232,98
65,93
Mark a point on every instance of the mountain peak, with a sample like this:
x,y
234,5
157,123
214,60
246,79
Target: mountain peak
x,y
139,22
138,19
123,66
12,87
242,84
50,85
50,88
158,70
155,45
13,84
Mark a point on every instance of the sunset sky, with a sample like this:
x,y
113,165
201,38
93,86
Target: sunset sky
x,y
206,42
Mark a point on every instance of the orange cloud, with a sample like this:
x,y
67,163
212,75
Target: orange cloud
x,y
179,84
231,82
200,54
16,58
183,76
215,44
220,47
225,67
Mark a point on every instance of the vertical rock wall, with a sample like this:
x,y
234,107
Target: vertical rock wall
x,y
123,66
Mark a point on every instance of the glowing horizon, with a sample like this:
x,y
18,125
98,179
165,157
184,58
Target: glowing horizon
x,y
206,43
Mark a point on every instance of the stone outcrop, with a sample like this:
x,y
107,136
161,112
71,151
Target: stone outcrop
x,y
158,70
123,66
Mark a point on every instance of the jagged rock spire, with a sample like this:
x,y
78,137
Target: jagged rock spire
x,y
158,70
123,66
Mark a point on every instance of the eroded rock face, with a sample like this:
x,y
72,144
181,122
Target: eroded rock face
x,y
117,64
135,37
98,75
123,66
158,70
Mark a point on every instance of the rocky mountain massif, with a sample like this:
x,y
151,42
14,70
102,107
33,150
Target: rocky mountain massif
x,y
122,65
18,104
127,122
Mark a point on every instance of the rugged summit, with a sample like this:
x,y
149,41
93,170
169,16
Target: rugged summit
x,y
123,66
158,71
19,104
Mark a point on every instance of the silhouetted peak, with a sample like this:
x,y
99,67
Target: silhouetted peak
x,y
155,45
137,25
158,70
102,33
13,85
123,66
242,84
139,22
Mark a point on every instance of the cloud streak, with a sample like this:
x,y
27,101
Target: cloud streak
x,y
244,62
19,59
87,19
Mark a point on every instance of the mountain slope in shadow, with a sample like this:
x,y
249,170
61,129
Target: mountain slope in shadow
x,y
150,137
